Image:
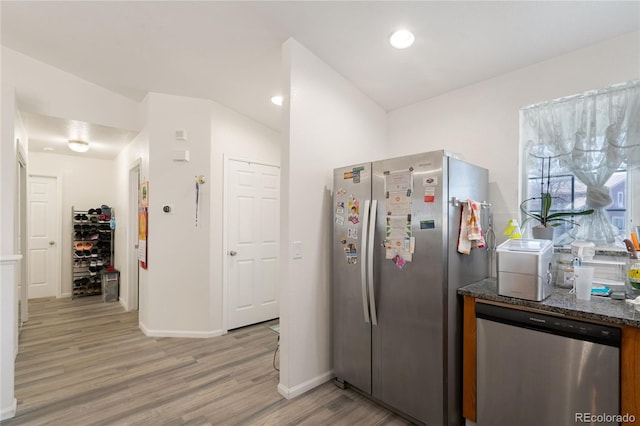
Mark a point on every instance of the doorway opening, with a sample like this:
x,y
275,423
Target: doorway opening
x,y
133,266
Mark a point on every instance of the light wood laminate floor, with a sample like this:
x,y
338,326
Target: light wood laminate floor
x,y
84,362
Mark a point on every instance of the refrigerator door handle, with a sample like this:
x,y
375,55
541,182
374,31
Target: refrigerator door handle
x,y
372,234
363,263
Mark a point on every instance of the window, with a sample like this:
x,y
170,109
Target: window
x,y
571,195
585,143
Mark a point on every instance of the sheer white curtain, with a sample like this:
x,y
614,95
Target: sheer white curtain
x,y
590,135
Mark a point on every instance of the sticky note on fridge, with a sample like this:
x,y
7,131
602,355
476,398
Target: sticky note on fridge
x,y
427,224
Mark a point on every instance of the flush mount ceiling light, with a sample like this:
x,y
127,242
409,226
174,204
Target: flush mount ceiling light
x,y
78,146
276,100
401,39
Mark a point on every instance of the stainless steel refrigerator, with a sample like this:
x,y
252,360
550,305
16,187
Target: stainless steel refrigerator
x,y
397,320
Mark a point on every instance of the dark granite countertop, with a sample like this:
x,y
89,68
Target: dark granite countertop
x,y
562,302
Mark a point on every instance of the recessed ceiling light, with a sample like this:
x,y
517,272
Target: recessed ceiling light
x,y
277,100
401,39
78,146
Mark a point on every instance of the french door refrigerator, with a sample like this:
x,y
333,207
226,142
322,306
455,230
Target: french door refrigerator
x,y
396,316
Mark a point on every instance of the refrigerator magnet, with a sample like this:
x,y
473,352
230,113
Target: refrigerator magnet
x,y
339,220
352,233
354,211
399,261
340,192
427,224
429,194
430,181
352,253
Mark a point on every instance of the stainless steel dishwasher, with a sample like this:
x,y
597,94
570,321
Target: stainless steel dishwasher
x,y
535,369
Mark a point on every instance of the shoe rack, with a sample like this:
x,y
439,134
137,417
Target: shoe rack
x,y
91,249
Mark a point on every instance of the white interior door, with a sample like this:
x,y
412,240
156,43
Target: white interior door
x,y
43,233
253,210
133,272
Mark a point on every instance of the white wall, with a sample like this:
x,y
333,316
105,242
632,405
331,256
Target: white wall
x,y
481,121
46,90
84,183
9,261
327,123
178,251
231,134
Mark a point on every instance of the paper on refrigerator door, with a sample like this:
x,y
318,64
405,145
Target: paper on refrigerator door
x,y
398,204
398,181
399,243
398,227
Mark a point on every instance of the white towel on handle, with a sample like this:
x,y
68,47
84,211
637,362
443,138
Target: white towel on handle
x,y
470,231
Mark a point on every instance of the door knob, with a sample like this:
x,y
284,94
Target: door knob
x,y
51,243
233,253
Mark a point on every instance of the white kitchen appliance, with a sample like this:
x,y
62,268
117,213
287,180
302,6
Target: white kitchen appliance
x,y
524,269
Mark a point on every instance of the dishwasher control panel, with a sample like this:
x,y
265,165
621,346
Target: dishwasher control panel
x,y
597,333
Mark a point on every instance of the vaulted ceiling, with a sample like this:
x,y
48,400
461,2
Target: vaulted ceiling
x,y
230,51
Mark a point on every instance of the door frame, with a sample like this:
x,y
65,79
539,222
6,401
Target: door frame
x,y
57,255
23,243
133,265
225,231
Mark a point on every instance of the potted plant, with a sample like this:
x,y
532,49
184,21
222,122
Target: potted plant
x,y
547,220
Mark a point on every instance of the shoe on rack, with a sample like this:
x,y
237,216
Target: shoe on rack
x,y
94,253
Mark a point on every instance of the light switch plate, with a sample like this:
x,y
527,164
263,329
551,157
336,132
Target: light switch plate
x,y
297,249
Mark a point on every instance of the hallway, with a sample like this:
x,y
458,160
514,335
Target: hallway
x,y
84,362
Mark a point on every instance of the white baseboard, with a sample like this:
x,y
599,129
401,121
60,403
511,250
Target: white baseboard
x,y
64,295
298,390
180,333
9,412
124,304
